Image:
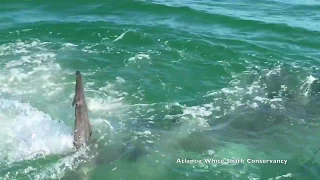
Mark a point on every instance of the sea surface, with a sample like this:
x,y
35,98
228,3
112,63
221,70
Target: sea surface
x,y
170,85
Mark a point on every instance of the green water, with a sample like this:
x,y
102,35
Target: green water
x,y
164,80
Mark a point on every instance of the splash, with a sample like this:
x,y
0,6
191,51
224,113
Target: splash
x,y
120,37
27,133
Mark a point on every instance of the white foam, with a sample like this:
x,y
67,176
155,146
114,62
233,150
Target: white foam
x,y
307,84
120,37
120,80
90,49
144,133
58,169
34,75
97,104
27,132
238,94
33,60
139,56
198,111
288,175
69,45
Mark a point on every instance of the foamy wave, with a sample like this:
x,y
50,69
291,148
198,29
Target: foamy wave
x,y
21,47
27,132
30,73
30,68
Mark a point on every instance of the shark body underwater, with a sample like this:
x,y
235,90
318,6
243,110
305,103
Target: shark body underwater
x,y
83,132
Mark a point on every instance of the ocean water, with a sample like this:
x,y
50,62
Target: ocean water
x,y
170,85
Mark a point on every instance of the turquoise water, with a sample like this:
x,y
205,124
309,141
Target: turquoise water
x,y
165,81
